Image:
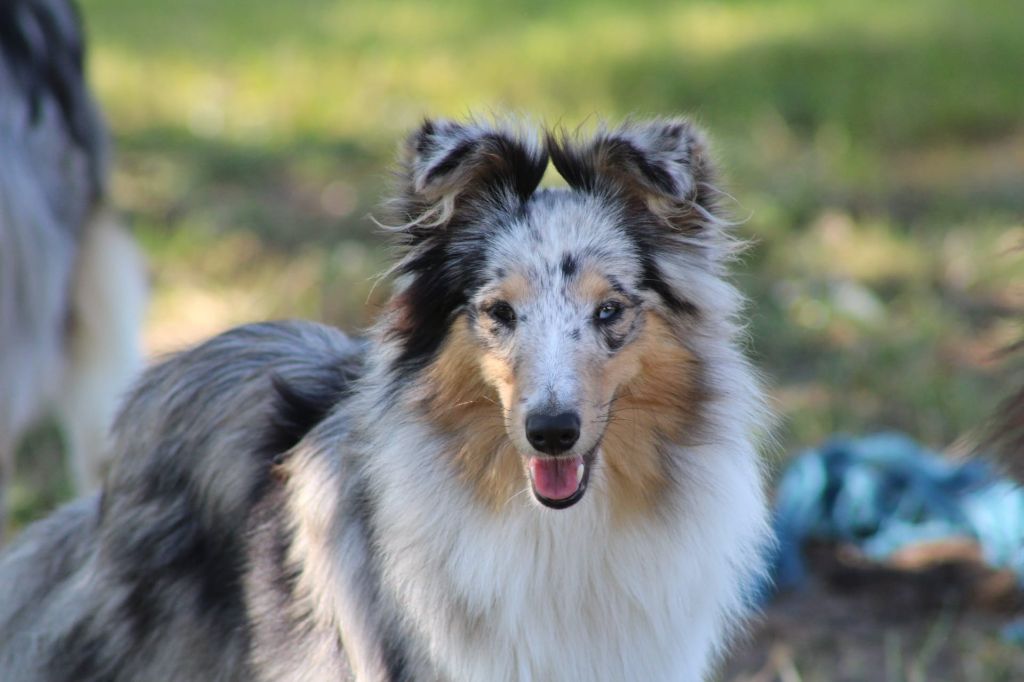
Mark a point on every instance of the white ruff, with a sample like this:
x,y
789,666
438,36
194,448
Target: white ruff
x,y
539,594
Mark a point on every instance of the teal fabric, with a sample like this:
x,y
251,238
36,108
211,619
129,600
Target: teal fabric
x,y
885,492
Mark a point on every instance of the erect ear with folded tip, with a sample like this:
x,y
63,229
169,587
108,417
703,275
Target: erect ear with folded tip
x,y
663,162
446,166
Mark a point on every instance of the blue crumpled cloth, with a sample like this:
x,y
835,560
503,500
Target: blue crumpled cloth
x,y
885,492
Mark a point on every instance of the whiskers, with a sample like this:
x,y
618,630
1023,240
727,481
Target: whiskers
x,y
610,414
485,415
526,489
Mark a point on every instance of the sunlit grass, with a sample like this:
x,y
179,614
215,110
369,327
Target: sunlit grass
x,y
873,148
249,71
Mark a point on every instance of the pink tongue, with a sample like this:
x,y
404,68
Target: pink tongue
x,y
556,479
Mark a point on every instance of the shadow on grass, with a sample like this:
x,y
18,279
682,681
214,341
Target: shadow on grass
x,y
309,192
878,149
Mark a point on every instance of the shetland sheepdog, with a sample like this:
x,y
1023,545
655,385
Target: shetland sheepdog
x,y
72,282
540,464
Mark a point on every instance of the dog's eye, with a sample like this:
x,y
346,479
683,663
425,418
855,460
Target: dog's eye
x,y
503,313
608,312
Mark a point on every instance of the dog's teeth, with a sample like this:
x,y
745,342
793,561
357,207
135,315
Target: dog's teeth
x,y
579,472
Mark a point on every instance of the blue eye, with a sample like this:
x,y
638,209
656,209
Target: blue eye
x,y
608,312
503,313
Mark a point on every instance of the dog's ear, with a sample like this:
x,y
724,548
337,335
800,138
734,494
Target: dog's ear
x,y
664,163
446,166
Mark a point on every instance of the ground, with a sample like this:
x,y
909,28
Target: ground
x,y
934,613
875,151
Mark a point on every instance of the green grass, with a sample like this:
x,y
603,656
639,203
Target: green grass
x,y
876,150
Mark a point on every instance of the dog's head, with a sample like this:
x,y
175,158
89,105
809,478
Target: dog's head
x,y
550,332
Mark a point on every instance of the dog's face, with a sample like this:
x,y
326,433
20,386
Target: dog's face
x,y
556,320
546,327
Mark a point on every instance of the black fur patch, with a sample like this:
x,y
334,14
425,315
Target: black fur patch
x,y
569,265
619,158
297,412
287,631
158,564
653,280
80,655
624,152
182,549
395,661
425,136
498,159
617,285
647,234
451,160
614,340
576,168
522,171
440,288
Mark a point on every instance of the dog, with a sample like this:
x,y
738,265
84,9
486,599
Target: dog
x,y
72,282
540,464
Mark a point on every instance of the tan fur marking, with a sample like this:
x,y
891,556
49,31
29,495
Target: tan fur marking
x,y
657,381
469,409
514,288
592,286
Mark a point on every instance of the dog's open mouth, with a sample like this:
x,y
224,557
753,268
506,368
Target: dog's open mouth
x,y
559,482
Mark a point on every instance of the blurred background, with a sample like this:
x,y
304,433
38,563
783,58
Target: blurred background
x,y
875,150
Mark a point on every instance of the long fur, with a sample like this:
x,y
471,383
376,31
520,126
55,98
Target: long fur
x,y
72,284
292,504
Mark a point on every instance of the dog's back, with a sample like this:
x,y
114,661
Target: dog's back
x,y
146,582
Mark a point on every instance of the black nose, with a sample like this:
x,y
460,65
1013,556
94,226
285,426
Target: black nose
x,y
553,434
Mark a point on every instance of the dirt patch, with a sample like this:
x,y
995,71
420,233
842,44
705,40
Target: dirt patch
x,y
935,614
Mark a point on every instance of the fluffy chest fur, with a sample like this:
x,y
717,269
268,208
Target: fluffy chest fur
x,y
527,593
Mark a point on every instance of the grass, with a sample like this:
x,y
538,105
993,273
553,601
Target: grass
x,y
876,150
